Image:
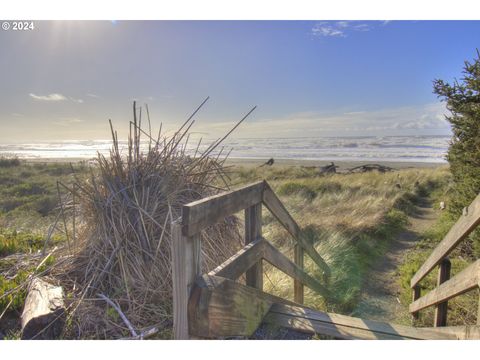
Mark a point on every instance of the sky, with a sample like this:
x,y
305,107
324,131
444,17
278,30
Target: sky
x,y
63,80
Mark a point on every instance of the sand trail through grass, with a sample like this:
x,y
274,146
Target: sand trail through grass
x,y
380,295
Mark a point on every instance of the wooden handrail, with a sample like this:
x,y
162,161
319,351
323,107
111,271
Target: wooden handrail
x,y
276,207
281,262
260,249
204,212
462,228
273,203
462,282
242,261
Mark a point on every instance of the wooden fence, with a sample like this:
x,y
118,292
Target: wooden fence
x,y
447,287
196,297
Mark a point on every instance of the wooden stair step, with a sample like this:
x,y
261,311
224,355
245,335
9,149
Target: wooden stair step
x,y
346,327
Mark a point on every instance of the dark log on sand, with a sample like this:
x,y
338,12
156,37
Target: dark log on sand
x,y
371,167
43,316
270,162
328,169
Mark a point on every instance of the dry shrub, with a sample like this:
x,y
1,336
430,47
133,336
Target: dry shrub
x,y
124,211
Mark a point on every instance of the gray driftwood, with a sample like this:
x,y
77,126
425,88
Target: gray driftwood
x,y
370,167
43,316
328,169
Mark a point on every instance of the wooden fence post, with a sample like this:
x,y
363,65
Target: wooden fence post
x,y
478,311
186,266
415,296
253,231
297,285
440,317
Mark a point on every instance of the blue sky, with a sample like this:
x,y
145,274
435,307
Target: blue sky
x,y
65,79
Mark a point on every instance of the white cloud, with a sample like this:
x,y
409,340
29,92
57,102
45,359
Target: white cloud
x,y
93,96
79,101
354,113
67,121
50,97
54,97
325,29
361,27
340,28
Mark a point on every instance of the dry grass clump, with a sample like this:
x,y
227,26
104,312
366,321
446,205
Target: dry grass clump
x,y
124,211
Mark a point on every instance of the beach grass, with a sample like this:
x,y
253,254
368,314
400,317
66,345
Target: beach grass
x,y
29,195
350,218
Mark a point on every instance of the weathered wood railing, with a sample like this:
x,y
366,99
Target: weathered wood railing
x,y
197,298
447,287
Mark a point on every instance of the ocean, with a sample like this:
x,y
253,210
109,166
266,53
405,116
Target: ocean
x,y
429,149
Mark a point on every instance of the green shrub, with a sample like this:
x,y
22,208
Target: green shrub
x,y
6,162
16,298
45,204
7,205
12,241
57,169
26,189
8,179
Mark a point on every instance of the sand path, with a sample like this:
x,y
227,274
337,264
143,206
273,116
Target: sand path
x,y
380,295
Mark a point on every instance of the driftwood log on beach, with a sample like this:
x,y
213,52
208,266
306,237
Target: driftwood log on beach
x,y
371,167
269,162
328,169
43,316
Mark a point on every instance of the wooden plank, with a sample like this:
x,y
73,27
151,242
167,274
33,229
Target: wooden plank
x,y
346,327
416,292
273,203
298,290
462,282
313,327
239,263
465,332
440,316
253,231
462,228
220,307
281,262
202,213
186,266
